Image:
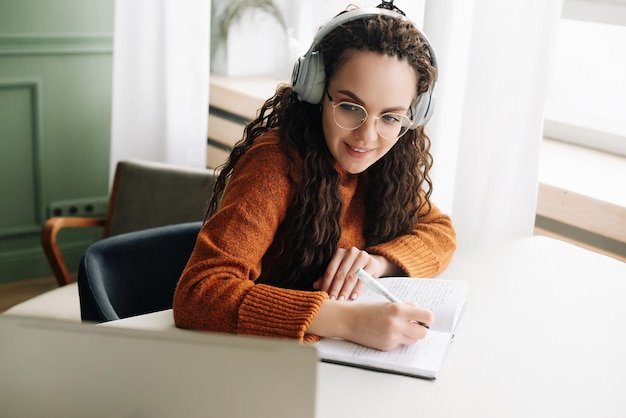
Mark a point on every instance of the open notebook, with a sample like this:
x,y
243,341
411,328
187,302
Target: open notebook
x,y
63,369
446,298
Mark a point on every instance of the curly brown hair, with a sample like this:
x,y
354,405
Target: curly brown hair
x,y
399,183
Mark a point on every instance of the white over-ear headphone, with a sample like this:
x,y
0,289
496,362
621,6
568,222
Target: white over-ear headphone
x,y
309,78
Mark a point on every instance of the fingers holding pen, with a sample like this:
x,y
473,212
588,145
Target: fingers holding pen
x,y
422,318
387,325
427,315
412,323
383,325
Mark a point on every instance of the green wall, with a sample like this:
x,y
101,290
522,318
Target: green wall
x,y
55,116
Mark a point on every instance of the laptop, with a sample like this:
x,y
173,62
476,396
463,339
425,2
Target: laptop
x,y
54,368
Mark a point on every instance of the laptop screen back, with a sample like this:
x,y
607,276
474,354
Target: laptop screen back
x,y
54,368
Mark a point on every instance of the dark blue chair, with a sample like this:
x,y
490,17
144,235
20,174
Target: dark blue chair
x,y
134,273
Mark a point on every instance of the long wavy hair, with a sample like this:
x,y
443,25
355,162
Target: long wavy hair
x,y
399,183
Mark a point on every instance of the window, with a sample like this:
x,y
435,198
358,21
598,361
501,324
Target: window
x,y
587,101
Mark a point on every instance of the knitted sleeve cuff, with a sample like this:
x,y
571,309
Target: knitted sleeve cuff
x,y
414,260
276,312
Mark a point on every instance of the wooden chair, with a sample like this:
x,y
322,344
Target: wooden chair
x,y
144,195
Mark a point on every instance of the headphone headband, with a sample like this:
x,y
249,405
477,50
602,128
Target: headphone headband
x,y
308,78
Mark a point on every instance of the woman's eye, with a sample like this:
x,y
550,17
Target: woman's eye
x,y
349,107
391,118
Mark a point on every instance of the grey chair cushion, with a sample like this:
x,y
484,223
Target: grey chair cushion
x,y
153,194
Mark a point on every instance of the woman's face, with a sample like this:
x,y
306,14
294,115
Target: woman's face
x,y
380,84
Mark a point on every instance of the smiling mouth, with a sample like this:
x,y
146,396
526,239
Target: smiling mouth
x,y
359,150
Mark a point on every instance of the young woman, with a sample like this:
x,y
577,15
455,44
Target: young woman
x,y
332,176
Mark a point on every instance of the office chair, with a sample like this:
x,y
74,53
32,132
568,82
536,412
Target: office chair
x,y
144,195
134,273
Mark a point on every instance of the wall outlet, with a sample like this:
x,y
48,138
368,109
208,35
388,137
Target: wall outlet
x,y
96,207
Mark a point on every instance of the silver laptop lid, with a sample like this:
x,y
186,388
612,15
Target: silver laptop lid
x,y
63,369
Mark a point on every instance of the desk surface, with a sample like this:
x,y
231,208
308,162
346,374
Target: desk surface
x,y
542,334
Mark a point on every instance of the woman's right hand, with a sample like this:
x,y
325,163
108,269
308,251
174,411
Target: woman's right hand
x,y
381,325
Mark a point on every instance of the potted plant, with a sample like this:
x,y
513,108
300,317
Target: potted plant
x,y
225,15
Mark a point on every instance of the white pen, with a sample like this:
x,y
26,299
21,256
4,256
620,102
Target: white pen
x,y
375,285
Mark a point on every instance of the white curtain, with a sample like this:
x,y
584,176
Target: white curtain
x,y
161,81
495,60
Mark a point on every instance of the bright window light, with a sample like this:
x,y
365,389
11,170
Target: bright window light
x,y
587,100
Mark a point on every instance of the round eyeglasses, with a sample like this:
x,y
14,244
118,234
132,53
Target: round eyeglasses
x,y
350,116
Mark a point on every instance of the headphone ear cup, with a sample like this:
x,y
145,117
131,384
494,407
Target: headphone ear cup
x,y
309,78
423,110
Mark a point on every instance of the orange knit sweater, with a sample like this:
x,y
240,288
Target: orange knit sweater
x,y
224,288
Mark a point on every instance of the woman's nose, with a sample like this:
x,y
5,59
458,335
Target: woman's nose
x,y
367,131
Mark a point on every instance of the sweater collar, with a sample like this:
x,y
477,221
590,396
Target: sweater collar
x,y
343,174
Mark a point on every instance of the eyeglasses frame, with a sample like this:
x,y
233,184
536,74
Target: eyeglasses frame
x,y
367,115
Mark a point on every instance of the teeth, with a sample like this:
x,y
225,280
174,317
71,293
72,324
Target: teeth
x,y
358,150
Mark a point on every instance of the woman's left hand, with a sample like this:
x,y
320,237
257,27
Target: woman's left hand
x,y
339,279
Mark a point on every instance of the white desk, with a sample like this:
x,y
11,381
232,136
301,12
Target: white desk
x,y
542,335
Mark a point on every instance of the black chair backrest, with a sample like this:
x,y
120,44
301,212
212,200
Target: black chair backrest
x,y
134,273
